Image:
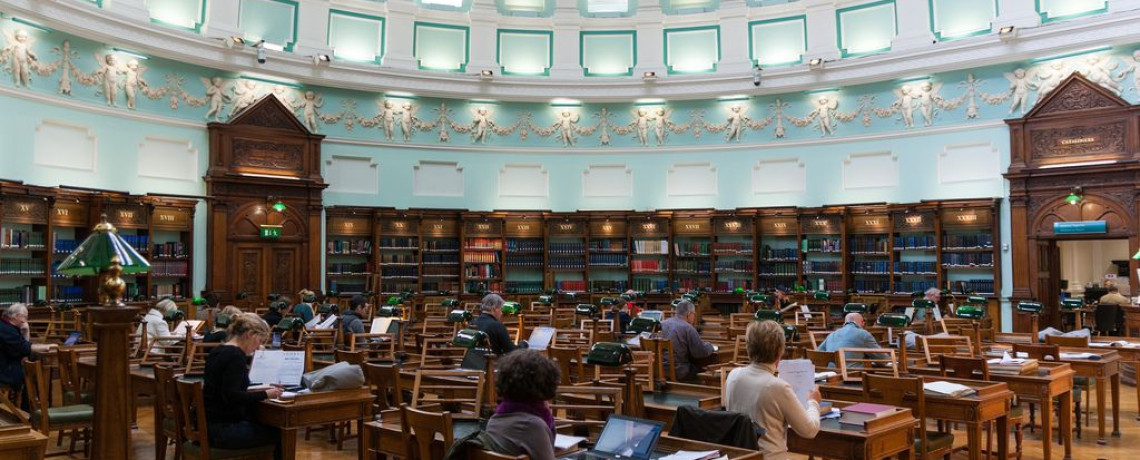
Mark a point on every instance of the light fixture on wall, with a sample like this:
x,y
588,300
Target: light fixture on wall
x,y
486,74
815,63
1136,256
756,75
1007,32
649,75
278,205
1075,196
320,58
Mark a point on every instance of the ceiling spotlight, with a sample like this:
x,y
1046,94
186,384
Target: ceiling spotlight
x,y
816,63
486,74
649,75
1007,32
756,75
319,58
236,40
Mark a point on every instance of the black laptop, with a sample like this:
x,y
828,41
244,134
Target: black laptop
x,y
624,438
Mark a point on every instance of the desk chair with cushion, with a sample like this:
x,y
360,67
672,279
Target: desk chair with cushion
x,y
908,392
718,427
45,419
75,390
1109,319
424,427
167,413
197,444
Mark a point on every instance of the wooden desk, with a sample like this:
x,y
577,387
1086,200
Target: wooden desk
x,y
142,377
882,437
1129,353
19,441
1106,367
991,403
316,409
1078,314
662,405
1052,380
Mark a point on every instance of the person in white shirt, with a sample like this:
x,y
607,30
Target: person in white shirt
x,y
754,390
157,329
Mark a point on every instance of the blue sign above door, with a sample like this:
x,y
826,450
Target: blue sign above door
x,y
1080,228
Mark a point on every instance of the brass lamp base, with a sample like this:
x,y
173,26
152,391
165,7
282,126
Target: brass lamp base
x,y
111,286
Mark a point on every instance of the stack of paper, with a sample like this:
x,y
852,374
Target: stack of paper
x,y
693,455
956,390
1093,356
800,374
563,442
1009,365
824,376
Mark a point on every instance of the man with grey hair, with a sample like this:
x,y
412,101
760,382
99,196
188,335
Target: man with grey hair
x,y
852,335
490,310
688,348
15,345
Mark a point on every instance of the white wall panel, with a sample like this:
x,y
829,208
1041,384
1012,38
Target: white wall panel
x,y
65,145
352,175
607,181
168,158
779,176
691,179
524,180
870,170
432,178
968,163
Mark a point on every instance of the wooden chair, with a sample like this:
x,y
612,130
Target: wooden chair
x,y
46,419
165,350
815,320
823,360
643,365
851,364
196,357
817,338
961,367
421,429
374,346
1060,340
908,392
323,343
168,416
574,337
384,380
1038,352
452,389
197,444
75,390
439,351
1081,384
954,345
661,349
570,362
586,405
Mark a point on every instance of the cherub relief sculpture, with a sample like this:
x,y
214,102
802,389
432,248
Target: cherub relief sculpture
x,y
1099,70
20,57
824,115
1049,77
481,125
566,124
1020,83
244,96
216,96
407,120
904,103
641,121
927,97
309,106
108,74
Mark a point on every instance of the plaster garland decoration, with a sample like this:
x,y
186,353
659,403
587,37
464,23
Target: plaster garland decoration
x,y
222,97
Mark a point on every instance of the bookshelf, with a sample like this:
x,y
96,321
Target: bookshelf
x,y
171,246
734,259
482,255
439,252
349,264
609,256
915,247
778,254
70,225
525,255
398,255
968,257
649,254
24,251
821,252
692,254
869,250
566,260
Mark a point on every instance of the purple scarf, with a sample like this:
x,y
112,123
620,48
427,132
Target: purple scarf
x,y
537,409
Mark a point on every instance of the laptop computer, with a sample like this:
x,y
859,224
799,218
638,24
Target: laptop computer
x,y
72,338
540,337
624,438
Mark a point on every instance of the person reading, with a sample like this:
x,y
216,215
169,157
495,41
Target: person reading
x,y
851,335
688,348
230,405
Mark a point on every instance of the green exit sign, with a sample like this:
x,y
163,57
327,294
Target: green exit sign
x,y
271,231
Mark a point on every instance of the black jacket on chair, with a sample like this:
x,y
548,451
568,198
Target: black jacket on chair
x,y
718,427
1109,318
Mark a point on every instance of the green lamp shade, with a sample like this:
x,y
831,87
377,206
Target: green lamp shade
x,y
279,206
768,315
1137,255
738,290
290,324
970,312
450,302
922,303
855,308
1072,304
892,320
329,308
1073,198
458,316
395,300
632,297
690,296
545,299
643,324
607,301
511,307
389,311
821,295
761,298
470,338
609,354
96,252
586,309
1030,307
676,302
198,301
791,333
976,300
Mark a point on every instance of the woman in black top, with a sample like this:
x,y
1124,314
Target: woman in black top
x,y
229,403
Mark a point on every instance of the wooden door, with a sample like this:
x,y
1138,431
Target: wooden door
x,y
261,270
1048,276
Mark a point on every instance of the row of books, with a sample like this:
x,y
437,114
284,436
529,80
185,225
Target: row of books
x,y
524,245
170,250
616,260
481,257
524,287
701,267
483,243
866,244
570,286
982,241
732,248
350,247
480,287
778,268
400,272
139,242
403,243
609,285
343,287
648,265
441,258
730,285
607,245
438,272
916,268
567,248
349,269
830,285
969,258
396,286
865,286
651,247
440,286
914,242
525,261
771,253
64,246
399,259
980,286
907,287
24,294
22,267
692,248
822,244
172,290
169,268
441,245
481,271
692,284
566,264
815,266
734,265
11,238
71,293
863,267
649,285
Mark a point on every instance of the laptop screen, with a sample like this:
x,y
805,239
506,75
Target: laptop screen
x,y
73,338
629,437
540,337
474,360
653,314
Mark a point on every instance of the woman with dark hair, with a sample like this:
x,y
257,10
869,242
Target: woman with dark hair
x,y
523,424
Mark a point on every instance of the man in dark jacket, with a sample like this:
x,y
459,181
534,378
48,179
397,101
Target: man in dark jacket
x,y
15,345
352,320
488,321
273,317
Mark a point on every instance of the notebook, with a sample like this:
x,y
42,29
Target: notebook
x,y
624,438
540,337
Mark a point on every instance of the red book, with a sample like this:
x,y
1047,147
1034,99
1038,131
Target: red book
x,y
874,410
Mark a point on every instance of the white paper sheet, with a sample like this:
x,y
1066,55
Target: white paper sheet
x,y
327,323
313,322
277,367
191,324
806,312
800,374
563,442
910,313
380,325
692,455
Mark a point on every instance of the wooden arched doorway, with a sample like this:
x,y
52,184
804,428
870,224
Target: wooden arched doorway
x,y
262,158
1080,135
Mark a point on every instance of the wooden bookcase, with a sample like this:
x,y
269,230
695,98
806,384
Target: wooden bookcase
x,y
350,264
822,252
778,250
734,257
525,263
609,255
482,255
171,245
692,253
439,253
25,239
869,250
566,257
915,244
650,254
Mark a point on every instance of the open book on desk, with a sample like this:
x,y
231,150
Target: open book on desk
x,y
693,455
956,390
277,367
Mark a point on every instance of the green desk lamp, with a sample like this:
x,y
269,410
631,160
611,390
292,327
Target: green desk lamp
x,y
511,308
768,315
855,308
470,338
1072,304
821,295
106,254
643,324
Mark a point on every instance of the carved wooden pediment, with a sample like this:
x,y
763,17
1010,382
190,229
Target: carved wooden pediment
x,y
269,112
1076,93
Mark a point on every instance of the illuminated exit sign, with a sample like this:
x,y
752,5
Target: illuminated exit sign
x,y
271,231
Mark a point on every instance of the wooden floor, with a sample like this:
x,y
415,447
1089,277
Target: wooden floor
x,y
318,447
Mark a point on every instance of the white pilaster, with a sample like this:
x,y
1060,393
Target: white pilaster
x,y
913,18
650,38
135,10
222,18
821,30
484,37
1017,13
567,33
734,56
1117,6
312,28
401,30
